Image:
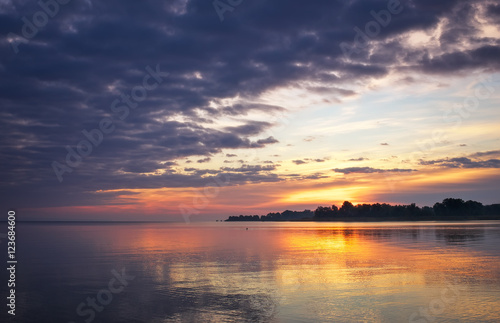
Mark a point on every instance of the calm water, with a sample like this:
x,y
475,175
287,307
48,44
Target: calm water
x,y
272,272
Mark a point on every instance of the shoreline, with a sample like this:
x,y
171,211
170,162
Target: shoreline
x,y
385,219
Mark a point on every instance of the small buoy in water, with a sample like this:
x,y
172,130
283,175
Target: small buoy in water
x,y
247,228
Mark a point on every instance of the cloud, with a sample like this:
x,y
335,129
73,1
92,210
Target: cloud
x,y
204,160
486,153
314,176
471,161
250,169
145,166
485,56
358,159
244,109
317,160
384,144
200,172
306,160
263,142
249,129
370,170
462,162
66,78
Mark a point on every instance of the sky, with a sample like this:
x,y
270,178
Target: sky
x,y
193,110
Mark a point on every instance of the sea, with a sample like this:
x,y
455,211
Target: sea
x,y
255,272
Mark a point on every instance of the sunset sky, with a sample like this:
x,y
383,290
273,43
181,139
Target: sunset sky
x,y
192,110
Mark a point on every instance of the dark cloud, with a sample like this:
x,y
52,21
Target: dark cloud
x,y
317,160
330,90
65,79
145,166
249,129
262,142
244,109
298,162
315,176
472,161
484,56
254,169
370,170
204,160
200,172
494,9
358,159
486,153
384,144
493,13
462,162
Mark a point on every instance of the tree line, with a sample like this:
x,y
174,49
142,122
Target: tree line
x,y
449,208
275,216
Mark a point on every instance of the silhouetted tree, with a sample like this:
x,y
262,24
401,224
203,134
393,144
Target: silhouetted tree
x,y
347,208
449,207
473,207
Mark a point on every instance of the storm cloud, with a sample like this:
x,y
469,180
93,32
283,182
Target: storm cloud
x,y
63,80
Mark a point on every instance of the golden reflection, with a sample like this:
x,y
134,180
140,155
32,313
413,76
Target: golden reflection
x,y
339,256
333,258
347,268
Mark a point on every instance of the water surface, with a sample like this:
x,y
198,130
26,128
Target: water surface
x,y
270,272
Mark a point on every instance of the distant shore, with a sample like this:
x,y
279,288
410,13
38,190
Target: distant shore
x,y
394,219
450,209
391,219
